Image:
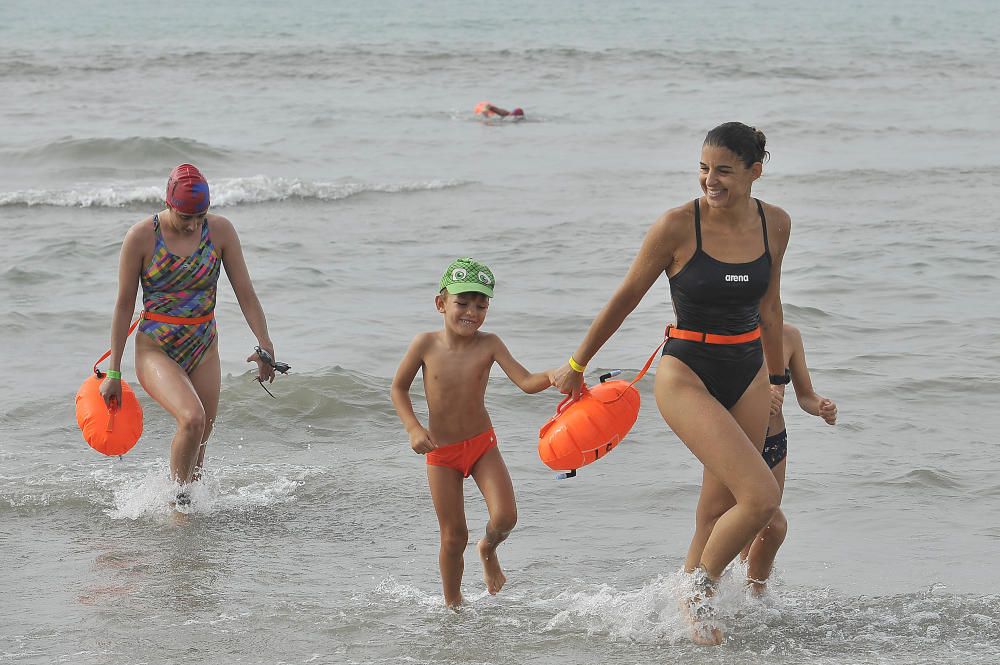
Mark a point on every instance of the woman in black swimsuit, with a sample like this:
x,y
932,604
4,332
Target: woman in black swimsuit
x,y
722,254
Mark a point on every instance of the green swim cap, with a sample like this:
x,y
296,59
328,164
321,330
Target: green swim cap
x,y
465,275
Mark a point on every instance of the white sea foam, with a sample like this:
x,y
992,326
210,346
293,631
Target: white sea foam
x,y
221,489
650,614
225,192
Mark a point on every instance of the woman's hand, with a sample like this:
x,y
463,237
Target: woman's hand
x,y
567,380
265,368
111,391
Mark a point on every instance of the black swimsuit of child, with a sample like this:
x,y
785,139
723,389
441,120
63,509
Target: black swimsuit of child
x,y
712,296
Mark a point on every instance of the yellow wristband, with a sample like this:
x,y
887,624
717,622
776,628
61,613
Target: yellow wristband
x,y
577,367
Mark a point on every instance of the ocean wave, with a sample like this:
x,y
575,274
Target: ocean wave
x,y
21,66
290,61
132,150
225,192
875,177
921,479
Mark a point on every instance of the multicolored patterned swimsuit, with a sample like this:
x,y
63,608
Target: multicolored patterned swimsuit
x,y
183,286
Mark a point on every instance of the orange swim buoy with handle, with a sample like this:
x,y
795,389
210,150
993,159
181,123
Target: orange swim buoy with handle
x,y
584,430
110,431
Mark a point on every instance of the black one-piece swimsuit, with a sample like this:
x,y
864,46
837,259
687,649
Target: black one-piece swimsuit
x,y
712,296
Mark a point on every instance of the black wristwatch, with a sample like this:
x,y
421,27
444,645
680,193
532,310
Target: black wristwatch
x,y
780,379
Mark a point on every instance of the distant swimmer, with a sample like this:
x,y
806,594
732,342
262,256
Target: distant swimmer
x,y
488,110
760,554
176,255
459,440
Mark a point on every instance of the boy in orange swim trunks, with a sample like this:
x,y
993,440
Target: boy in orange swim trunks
x,y
459,441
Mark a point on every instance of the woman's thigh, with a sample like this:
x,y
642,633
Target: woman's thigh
x,y
164,380
717,437
207,381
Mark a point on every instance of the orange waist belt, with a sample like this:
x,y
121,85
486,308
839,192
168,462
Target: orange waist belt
x,y
177,320
711,338
160,318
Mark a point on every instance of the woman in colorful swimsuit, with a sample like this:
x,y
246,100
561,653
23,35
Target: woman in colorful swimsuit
x,y
722,254
176,256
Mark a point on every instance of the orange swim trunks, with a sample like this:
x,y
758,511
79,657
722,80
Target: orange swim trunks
x,y
462,456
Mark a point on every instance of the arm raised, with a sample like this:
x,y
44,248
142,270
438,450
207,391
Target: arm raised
x,y
655,254
529,382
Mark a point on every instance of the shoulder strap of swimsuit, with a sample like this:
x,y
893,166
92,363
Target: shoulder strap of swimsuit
x,y
697,225
204,230
157,232
763,224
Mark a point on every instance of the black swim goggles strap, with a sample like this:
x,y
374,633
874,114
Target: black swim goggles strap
x,y
279,367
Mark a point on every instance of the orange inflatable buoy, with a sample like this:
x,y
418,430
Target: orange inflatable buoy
x,y
109,431
583,431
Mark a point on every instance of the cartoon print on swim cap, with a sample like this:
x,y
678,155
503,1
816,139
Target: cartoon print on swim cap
x,y
467,275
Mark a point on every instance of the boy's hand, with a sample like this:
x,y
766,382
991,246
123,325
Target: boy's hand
x,y
551,373
567,380
828,411
777,399
420,441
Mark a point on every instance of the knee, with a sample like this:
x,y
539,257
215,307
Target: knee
x,y
777,528
504,522
764,503
706,517
192,422
454,539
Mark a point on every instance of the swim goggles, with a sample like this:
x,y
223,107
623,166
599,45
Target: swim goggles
x,y
280,367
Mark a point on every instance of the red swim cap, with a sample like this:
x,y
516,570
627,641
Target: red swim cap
x,y
517,112
187,190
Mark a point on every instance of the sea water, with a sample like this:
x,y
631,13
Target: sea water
x,y
339,139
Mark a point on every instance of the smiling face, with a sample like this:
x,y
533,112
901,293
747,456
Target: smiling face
x,y
464,313
724,178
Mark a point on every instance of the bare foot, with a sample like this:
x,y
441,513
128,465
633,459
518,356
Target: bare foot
x,y
492,572
181,508
706,635
455,605
701,613
704,631
757,588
